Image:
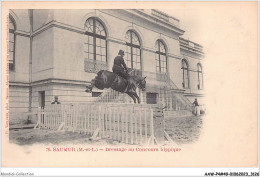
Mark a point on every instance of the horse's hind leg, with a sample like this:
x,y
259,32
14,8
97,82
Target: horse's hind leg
x,y
90,87
131,95
138,99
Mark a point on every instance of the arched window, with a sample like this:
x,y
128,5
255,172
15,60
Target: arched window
x,y
95,48
161,60
133,51
200,76
185,74
12,29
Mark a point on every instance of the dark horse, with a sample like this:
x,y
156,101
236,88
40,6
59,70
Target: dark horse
x,y
107,79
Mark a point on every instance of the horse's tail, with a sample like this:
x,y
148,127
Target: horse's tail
x,y
99,82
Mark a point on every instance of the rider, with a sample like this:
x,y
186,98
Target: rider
x,y
120,67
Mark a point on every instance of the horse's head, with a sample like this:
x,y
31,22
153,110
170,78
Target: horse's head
x,y
142,83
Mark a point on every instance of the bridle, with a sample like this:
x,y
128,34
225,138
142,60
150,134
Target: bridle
x,y
139,84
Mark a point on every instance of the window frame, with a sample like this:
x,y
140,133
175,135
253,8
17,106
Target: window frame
x,y
159,53
131,45
183,72
12,31
200,72
95,36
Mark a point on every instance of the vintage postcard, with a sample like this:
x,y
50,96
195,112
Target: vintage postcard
x,y
129,84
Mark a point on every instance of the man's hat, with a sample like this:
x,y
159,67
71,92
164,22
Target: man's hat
x,y
121,52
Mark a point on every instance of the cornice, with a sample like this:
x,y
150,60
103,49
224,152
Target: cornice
x,y
22,33
192,50
59,81
54,23
154,20
21,84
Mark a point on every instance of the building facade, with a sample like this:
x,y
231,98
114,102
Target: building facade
x,y
57,52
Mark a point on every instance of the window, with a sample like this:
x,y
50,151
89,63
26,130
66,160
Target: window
x,y
161,60
12,29
200,77
95,48
185,74
151,98
133,51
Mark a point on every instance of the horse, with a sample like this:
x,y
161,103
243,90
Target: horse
x,y
107,79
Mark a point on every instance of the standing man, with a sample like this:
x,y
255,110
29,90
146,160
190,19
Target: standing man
x,y
196,109
56,101
119,66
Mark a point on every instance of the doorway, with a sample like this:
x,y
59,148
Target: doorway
x,y
42,99
151,98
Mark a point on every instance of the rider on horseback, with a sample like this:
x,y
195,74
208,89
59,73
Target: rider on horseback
x,y
120,67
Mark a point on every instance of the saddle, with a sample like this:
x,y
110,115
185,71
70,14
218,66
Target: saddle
x,y
116,81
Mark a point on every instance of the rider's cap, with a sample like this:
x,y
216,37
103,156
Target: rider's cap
x,y
121,52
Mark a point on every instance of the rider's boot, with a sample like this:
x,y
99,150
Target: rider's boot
x,y
128,81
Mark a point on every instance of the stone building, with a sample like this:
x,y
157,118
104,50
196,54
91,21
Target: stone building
x,y
57,52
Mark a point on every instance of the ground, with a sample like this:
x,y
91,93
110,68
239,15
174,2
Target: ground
x,y
43,136
181,130
184,130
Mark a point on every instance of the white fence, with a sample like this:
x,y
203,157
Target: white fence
x,y
128,123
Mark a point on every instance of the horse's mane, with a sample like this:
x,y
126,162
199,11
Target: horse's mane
x,y
136,77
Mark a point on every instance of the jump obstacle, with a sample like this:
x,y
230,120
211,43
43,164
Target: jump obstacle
x,y
126,123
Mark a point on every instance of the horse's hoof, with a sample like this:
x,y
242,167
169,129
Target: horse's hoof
x,y
88,90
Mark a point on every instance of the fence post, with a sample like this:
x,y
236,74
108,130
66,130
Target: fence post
x,y
43,117
110,123
118,125
99,119
126,124
38,124
135,127
141,126
159,124
131,126
39,116
122,123
152,138
145,126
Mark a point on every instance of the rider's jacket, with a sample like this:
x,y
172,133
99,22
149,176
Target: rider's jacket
x,y
119,64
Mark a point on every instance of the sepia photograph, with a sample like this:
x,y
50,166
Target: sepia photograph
x,y
138,82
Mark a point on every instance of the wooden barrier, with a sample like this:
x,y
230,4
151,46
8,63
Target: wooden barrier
x,y
127,123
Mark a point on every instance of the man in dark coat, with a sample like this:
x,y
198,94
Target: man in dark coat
x,y
56,101
196,108
119,66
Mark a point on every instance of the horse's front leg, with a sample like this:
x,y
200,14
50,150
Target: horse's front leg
x,y
131,95
138,99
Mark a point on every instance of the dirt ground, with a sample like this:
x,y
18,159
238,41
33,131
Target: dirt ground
x,y
43,136
182,131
